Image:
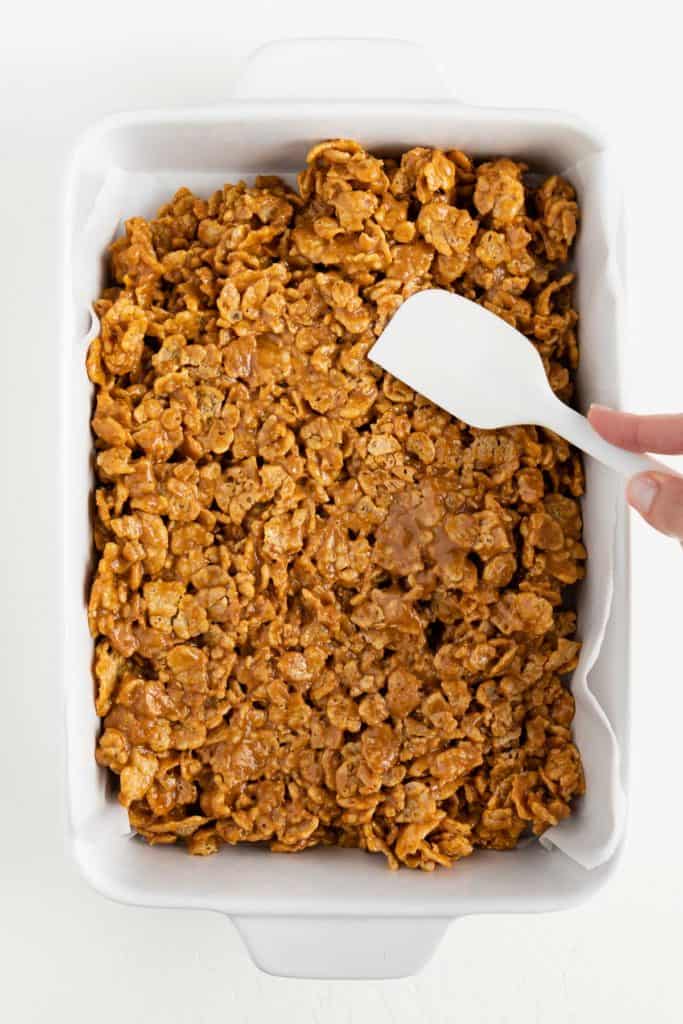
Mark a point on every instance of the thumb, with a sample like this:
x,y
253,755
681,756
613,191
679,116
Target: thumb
x,y
659,499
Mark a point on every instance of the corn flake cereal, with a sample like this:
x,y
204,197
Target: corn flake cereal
x,y
324,610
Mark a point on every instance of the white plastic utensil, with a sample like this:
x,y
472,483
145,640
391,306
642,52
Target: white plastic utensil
x,y
477,367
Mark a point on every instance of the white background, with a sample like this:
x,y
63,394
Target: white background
x,y
65,953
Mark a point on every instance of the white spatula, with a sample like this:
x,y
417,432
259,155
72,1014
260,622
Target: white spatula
x,y
477,367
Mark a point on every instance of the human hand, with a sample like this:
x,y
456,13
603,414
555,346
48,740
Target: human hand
x,y
658,497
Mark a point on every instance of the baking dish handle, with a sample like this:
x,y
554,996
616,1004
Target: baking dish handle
x,y
340,69
341,947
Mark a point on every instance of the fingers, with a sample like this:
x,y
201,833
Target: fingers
x,y
663,434
657,496
659,499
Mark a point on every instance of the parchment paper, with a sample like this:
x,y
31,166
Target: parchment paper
x,y
592,833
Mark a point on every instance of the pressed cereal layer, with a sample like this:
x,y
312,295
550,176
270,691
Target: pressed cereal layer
x,y
324,610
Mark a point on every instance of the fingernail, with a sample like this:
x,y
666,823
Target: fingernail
x,y
602,408
642,491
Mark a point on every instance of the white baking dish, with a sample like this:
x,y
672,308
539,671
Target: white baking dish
x,y
328,912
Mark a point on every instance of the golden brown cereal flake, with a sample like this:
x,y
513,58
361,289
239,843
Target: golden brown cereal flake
x,y
325,611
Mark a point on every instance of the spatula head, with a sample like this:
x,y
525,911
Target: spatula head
x,y
464,359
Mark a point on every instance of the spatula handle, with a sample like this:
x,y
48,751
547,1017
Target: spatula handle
x,y
575,428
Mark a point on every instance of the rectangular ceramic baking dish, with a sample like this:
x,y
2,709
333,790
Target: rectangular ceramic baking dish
x,y
328,912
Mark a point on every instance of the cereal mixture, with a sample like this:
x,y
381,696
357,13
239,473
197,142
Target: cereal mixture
x,y
325,611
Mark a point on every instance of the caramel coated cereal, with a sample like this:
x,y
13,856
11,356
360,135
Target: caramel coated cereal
x,y
324,610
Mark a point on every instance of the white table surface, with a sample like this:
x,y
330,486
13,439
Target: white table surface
x,y
67,954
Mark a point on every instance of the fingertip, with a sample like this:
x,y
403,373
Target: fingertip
x,y
658,497
641,492
619,428
595,410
